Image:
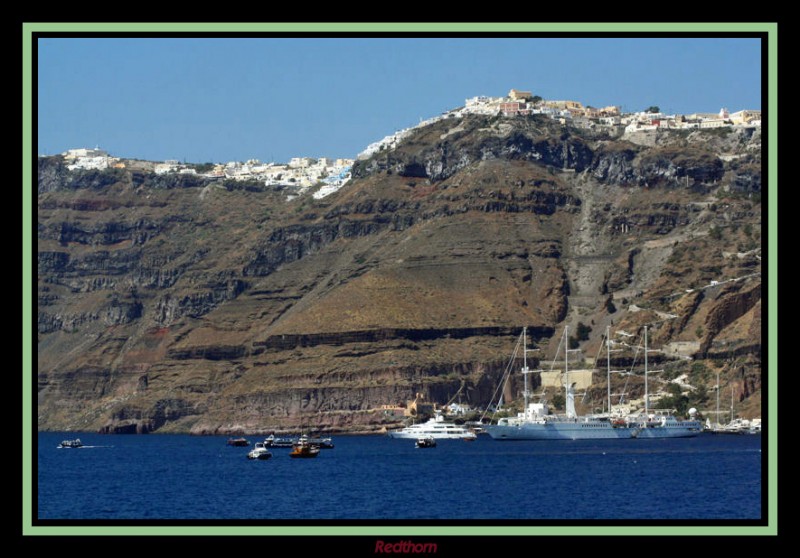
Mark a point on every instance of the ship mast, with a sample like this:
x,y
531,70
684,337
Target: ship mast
x,y
608,366
716,426
566,367
570,395
646,395
525,370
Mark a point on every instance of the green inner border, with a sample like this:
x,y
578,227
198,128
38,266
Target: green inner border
x,y
771,29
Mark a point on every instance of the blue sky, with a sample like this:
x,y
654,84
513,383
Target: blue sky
x,y
238,98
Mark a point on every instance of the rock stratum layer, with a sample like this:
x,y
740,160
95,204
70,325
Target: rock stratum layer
x,y
172,304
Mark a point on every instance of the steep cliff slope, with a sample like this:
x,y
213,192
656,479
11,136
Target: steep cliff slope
x,y
174,304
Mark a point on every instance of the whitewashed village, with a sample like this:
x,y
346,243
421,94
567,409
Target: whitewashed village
x,y
573,113
299,174
325,175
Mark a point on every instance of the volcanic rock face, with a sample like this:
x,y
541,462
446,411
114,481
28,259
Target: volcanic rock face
x,y
167,303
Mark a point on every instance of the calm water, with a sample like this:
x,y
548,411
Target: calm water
x,y
374,477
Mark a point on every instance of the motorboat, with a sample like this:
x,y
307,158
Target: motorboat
x,y
322,443
272,442
260,452
238,442
427,442
76,443
304,448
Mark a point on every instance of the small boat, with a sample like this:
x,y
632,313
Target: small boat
x,y
428,442
238,442
272,442
304,448
322,443
259,452
736,425
76,443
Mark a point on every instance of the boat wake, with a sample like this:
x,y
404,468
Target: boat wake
x,y
84,447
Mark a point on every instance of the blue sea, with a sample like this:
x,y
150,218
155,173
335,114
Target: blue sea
x,y
181,477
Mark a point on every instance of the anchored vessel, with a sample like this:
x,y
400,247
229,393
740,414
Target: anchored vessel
x,y
736,425
536,422
304,448
322,443
272,442
435,428
425,443
260,452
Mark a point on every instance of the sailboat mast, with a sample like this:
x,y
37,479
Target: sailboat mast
x,y
717,423
608,366
646,394
525,367
566,362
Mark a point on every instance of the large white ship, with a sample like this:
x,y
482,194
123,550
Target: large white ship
x,y
536,423
435,428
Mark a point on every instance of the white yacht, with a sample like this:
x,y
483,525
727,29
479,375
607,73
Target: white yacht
x,y
435,428
260,452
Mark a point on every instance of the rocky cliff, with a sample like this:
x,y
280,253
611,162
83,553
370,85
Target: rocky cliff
x,y
168,303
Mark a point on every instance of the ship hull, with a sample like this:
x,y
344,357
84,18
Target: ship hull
x,y
436,435
587,431
669,432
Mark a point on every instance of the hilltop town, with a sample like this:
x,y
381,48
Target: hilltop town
x,y
298,175
574,114
302,173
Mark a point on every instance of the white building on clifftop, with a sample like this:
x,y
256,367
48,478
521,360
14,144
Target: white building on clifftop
x,y
83,158
72,154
